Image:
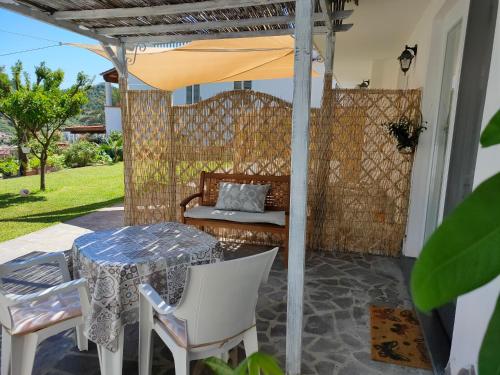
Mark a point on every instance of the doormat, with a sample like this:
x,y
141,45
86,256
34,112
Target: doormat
x,y
397,338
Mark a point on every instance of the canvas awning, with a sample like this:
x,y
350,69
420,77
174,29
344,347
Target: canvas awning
x,y
207,61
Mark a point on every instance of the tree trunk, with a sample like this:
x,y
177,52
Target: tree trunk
x,y
23,160
22,138
43,162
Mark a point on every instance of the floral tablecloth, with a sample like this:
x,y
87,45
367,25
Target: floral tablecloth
x,y
115,262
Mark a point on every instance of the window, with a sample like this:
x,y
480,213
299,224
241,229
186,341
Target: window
x,y
242,85
193,94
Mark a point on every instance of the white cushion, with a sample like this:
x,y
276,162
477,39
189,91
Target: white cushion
x,y
176,328
34,316
242,197
210,212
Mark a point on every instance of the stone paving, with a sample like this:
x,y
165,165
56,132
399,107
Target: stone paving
x,y
60,237
339,289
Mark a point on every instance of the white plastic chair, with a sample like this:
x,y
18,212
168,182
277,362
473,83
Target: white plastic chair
x,y
30,318
216,312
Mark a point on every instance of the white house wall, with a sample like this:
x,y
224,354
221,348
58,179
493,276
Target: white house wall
x,y
385,73
281,88
474,310
430,35
113,116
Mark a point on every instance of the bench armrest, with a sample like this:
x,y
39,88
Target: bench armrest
x,y
185,201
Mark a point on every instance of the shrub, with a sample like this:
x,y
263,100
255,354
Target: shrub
x,y
56,161
34,163
83,153
9,167
113,146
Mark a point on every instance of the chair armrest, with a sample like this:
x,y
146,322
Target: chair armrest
x,y
185,201
80,285
51,258
153,298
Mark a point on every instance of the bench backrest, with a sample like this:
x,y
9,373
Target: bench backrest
x,y
278,197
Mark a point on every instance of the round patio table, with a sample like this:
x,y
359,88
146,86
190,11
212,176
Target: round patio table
x,y
115,262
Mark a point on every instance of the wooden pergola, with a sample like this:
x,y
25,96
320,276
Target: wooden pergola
x,y
121,25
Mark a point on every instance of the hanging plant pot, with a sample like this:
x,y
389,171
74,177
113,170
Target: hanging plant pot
x,y
406,132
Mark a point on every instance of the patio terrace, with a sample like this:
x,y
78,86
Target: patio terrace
x,y
339,288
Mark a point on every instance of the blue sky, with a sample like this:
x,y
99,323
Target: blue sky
x,y
70,59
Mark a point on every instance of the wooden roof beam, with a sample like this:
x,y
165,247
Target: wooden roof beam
x,y
341,14
45,17
211,25
326,9
229,35
161,10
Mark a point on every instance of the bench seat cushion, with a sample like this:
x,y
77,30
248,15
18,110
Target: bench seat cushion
x,y
210,212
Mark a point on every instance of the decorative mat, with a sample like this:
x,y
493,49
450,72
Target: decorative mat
x,y
397,338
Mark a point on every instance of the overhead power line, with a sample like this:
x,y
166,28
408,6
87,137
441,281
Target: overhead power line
x,y
29,36
31,49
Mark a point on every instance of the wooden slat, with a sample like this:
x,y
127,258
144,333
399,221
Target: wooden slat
x,y
341,14
229,35
113,57
212,25
326,8
162,10
44,17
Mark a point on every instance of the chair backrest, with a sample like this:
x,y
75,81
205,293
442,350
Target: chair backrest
x,y
277,199
5,318
219,299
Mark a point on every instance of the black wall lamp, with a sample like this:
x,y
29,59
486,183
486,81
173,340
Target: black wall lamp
x,y
406,58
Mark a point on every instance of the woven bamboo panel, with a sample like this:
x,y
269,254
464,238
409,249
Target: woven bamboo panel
x,y
359,182
149,158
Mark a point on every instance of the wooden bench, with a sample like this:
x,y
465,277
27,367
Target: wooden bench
x,y
274,219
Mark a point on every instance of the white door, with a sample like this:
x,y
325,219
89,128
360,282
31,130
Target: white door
x,y
446,111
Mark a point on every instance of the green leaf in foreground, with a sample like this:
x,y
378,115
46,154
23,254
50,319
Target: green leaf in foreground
x,y
491,134
463,253
257,363
489,358
218,366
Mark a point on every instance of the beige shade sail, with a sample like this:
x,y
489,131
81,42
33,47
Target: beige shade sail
x,y
207,61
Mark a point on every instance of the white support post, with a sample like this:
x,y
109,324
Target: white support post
x,y
299,182
108,94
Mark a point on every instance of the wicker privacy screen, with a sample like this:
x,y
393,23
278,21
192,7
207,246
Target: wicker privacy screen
x,y
359,181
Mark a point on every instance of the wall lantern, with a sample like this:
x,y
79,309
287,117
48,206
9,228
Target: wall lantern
x,y
407,57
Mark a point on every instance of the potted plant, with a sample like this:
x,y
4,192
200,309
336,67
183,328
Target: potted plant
x,y
406,131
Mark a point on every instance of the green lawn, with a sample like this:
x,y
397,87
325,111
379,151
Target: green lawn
x,y
70,193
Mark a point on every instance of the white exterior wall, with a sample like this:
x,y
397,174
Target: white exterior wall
x,y
113,116
281,88
474,310
430,35
385,74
